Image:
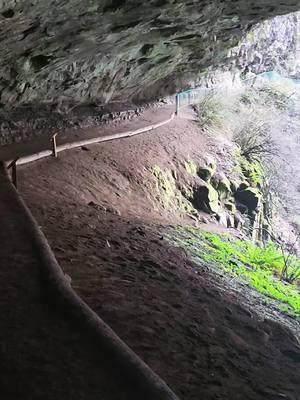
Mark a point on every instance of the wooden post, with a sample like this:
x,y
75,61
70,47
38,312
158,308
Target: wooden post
x,y
13,166
177,104
14,174
54,150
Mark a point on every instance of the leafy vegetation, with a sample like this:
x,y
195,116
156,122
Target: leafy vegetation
x,y
253,170
252,116
208,111
255,140
259,267
279,94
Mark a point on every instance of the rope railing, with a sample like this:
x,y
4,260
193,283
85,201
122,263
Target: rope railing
x,y
189,97
195,95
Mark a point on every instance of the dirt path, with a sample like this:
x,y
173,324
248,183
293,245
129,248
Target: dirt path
x,y
42,354
100,211
150,116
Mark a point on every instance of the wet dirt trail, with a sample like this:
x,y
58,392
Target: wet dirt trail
x,y
42,354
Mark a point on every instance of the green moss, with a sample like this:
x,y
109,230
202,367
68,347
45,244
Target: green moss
x,y
213,199
253,171
165,182
259,267
170,197
222,184
191,167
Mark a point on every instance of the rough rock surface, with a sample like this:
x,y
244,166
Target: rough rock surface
x,y
70,51
272,45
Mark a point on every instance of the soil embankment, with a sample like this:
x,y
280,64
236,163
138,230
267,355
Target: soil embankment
x,y
102,213
42,354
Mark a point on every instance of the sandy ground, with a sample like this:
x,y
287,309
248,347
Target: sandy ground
x,y
101,213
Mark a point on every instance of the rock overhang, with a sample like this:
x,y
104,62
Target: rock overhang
x,y
74,51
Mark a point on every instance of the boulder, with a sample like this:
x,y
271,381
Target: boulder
x,y
234,185
249,197
206,198
225,219
230,221
207,172
203,219
222,185
242,208
243,185
239,221
222,218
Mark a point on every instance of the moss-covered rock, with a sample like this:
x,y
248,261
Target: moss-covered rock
x,y
239,221
234,185
206,198
253,172
191,167
222,184
207,172
165,183
170,196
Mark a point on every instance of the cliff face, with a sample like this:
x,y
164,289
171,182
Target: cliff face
x,y
271,45
76,51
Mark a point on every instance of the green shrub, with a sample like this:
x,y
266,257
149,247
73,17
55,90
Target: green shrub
x,y
254,138
277,94
208,111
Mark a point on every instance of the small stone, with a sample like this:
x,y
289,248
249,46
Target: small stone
x,y
99,207
203,219
113,211
230,207
225,219
68,279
